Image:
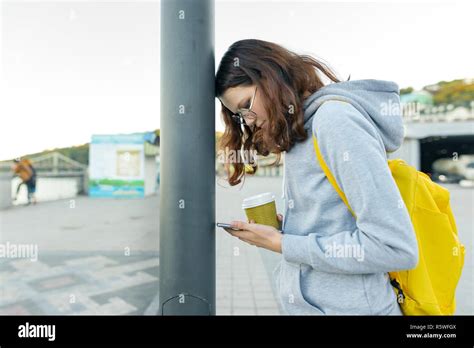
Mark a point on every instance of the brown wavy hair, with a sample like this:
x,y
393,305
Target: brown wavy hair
x,y
282,78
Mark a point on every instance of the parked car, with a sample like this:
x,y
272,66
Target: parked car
x,y
447,178
469,171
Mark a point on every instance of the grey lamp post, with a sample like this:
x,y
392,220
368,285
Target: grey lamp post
x,y
187,182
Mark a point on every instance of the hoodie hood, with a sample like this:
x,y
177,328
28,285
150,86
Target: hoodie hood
x,y
376,100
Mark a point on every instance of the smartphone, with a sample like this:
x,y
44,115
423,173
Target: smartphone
x,y
229,226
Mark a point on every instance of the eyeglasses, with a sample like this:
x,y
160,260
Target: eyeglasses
x,y
245,114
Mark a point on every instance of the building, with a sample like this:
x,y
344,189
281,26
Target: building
x,y
123,165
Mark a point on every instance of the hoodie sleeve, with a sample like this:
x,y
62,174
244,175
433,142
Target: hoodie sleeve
x,y
384,233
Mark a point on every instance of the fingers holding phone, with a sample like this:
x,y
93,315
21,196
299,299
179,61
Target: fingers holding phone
x,y
228,227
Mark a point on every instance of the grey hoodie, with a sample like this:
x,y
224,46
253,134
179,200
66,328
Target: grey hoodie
x,y
332,264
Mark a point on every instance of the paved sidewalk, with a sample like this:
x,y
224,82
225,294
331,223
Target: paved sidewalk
x,y
244,284
99,256
83,266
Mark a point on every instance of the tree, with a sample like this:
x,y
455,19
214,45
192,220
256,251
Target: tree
x,y
407,90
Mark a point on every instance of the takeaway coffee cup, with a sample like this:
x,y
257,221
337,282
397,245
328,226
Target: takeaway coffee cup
x,y
262,209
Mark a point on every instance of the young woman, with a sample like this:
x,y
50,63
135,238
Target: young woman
x,y
275,101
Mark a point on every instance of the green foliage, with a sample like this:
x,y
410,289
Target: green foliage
x,y
407,90
78,153
457,92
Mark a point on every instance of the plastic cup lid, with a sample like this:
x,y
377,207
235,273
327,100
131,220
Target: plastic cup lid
x,y
257,200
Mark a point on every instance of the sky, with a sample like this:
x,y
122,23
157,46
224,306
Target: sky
x,y
70,69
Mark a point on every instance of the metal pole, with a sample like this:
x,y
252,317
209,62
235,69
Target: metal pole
x,y
187,140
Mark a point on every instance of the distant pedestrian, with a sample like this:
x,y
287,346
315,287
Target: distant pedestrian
x,y
27,173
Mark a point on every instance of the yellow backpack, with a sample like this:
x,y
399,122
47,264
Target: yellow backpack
x,y
429,288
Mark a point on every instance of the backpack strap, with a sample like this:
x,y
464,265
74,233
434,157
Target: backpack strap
x,y
330,176
332,180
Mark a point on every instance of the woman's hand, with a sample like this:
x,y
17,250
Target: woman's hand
x,y
262,236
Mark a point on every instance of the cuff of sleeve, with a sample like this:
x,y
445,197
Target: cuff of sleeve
x,y
294,249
